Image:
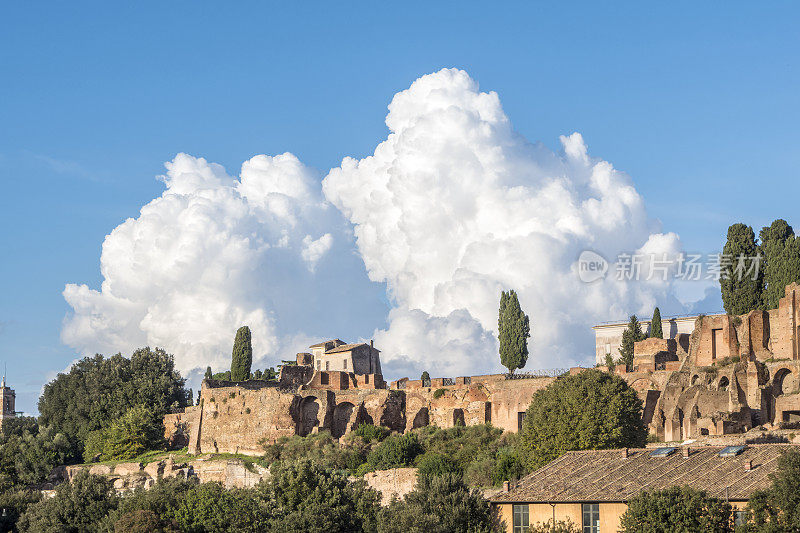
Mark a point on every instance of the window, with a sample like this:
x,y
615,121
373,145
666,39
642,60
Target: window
x,y
608,349
520,420
345,364
591,518
521,518
319,364
327,365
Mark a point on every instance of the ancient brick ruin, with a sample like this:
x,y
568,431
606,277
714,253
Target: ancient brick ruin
x,y
730,374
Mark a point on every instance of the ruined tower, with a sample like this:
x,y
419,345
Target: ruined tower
x,y
8,398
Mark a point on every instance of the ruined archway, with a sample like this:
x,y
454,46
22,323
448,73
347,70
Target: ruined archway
x,y
309,409
695,379
341,417
784,382
421,419
724,383
458,417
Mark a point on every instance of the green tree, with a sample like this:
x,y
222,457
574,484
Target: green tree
x,y
143,521
741,293
425,377
780,249
656,329
439,504
28,454
586,411
211,508
559,526
76,507
97,391
14,504
633,333
137,431
676,509
242,357
208,374
513,328
306,497
777,508
437,464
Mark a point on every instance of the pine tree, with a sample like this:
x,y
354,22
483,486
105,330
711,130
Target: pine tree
x,y
781,264
242,357
633,333
740,292
209,374
513,331
426,378
656,331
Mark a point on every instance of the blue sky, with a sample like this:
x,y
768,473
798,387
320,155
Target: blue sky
x,y
698,104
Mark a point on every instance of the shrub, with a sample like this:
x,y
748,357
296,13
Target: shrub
x,y
676,509
436,464
559,526
777,508
144,521
137,431
508,467
438,393
589,410
321,449
395,451
370,432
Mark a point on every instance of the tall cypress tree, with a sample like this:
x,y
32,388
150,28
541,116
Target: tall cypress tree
x,y
656,331
242,357
513,331
740,293
633,333
209,374
781,264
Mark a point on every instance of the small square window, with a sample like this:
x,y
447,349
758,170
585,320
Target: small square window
x,y
521,523
591,518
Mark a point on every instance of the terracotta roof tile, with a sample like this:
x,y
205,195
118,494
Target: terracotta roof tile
x,y
605,475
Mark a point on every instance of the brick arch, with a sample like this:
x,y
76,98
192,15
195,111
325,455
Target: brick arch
x,y
341,418
309,415
724,383
784,381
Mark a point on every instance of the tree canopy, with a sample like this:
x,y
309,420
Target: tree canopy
x,y
780,249
513,328
777,509
586,411
741,293
676,509
656,328
98,391
242,357
633,333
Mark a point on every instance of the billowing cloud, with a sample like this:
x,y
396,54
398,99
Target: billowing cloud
x,y
203,259
455,206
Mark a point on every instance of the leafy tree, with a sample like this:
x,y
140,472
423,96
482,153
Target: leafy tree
x,y
223,376
162,499
395,451
777,509
656,329
740,292
28,454
143,521
208,374
508,467
137,431
513,328
437,464
242,357
306,497
77,507
19,426
586,411
781,264
15,503
211,508
426,378
633,333
371,432
676,509
559,526
97,391
610,362
439,504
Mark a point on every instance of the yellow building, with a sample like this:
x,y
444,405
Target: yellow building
x,y
591,488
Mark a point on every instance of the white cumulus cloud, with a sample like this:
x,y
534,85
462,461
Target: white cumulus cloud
x,y
455,206
203,259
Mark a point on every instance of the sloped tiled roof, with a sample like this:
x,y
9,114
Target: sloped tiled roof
x,y
606,476
345,347
336,342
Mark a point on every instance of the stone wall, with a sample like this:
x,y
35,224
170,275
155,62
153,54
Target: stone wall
x,y
395,482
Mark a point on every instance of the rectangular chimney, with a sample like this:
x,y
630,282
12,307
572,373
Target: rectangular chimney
x,y
748,465
686,452
624,453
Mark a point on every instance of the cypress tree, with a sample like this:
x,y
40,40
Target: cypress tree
x,y
242,357
209,374
656,331
781,263
633,333
513,331
425,377
740,296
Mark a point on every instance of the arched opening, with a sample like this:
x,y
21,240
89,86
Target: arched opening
x,y
695,379
784,382
458,417
421,419
723,384
309,409
341,417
